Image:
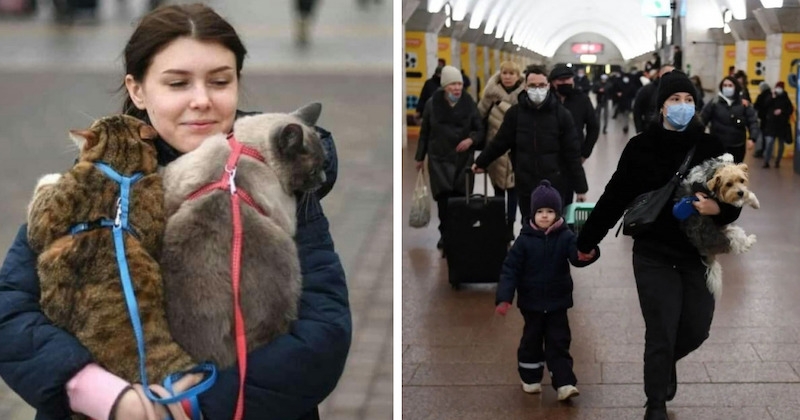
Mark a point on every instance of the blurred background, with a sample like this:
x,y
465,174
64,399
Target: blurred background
x,y
60,70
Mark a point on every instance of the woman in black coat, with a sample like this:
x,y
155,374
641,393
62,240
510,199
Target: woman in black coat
x,y
670,274
730,118
779,109
451,130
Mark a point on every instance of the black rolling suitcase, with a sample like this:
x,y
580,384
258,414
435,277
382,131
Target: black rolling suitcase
x,y
475,238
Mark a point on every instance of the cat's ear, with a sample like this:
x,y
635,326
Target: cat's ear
x,y
290,140
147,132
309,114
85,139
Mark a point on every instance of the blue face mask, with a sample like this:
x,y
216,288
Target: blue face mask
x,y
452,98
680,115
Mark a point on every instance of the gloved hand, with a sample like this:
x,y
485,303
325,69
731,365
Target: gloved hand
x,y
502,308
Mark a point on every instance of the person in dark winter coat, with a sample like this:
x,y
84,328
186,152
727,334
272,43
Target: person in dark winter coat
x,y
741,78
543,141
645,108
582,111
677,58
581,82
730,119
779,110
625,90
670,275
431,85
451,130
537,269
288,377
602,89
760,106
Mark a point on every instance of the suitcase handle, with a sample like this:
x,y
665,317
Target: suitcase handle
x,y
468,171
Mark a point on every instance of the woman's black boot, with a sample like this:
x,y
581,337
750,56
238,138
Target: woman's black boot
x,y
655,411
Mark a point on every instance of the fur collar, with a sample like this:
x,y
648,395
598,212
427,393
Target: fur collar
x,y
496,92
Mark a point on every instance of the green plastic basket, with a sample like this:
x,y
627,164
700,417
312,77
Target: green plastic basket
x,y
576,214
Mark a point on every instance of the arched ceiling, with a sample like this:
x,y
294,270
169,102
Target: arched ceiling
x,y
542,25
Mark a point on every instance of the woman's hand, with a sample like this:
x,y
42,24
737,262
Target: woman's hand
x,y
420,164
476,169
134,404
464,145
582,256
705,206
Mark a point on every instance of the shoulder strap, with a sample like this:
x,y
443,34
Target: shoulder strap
x,y
685,165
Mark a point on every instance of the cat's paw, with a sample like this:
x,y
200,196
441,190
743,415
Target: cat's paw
x,y
46,180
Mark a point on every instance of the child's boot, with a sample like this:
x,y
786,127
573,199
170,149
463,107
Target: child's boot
x,y
534,388
567,391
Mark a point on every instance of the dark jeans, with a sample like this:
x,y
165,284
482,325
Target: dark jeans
x,y
511,203
677,309
737,152
305,7
550,329
441,203
313,415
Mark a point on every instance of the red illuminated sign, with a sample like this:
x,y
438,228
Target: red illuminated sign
x,y
587,48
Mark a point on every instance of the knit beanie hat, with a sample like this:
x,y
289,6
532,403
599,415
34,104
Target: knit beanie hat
x,y
450,74
779,85
545,196
672,83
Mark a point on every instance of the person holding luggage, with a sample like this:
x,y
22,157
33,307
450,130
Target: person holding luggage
x,y
182,66
669,271
537,268
451,130
556,153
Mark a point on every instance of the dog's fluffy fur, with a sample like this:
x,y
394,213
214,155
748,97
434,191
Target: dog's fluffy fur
x,y
726,182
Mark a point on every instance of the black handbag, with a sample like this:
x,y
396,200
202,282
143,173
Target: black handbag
x,y
645,208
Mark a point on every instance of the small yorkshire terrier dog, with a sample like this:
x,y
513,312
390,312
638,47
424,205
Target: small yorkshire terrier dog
x,y
728,183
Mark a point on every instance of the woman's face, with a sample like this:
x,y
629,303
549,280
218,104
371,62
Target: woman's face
x,y
190,91
676,99
508,78
727,84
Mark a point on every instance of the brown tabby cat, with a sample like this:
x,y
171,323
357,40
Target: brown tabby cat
x,y
197,242
81,290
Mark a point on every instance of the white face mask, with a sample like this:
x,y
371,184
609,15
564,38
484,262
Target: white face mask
x,y
625,80
537,95
728,92
778,91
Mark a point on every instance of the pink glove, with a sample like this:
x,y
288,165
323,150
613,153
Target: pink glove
x,y
502,308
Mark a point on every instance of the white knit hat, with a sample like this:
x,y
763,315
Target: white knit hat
x,y
450,74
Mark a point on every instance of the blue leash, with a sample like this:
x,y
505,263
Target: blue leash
x,y
118,226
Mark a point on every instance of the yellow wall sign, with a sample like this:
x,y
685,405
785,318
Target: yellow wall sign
x,y
416,74
493,64
756,58
790,60
728,58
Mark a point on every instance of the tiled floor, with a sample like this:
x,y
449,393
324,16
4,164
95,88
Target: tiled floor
x,y
459,359
52,80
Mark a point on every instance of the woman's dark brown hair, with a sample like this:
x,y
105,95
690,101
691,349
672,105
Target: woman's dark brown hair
x,y
167,23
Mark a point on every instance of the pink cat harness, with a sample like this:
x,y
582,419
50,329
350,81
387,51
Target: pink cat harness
x,y
228,183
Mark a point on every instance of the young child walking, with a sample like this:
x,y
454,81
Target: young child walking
x,y
537,268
